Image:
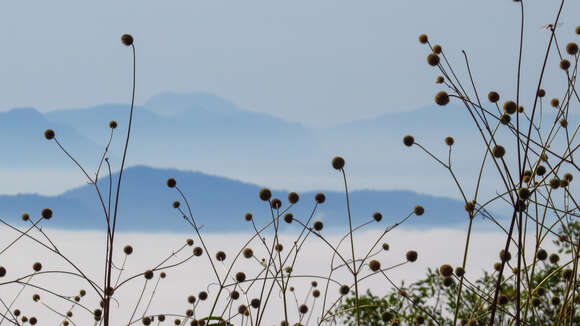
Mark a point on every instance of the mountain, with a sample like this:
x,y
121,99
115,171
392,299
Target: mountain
x,y
219,204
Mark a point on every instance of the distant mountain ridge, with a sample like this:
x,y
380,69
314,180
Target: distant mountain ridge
x,y
219,204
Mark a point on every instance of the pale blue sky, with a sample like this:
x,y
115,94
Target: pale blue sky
x,y
316,62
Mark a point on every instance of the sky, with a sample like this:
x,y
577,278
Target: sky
x,y
314,62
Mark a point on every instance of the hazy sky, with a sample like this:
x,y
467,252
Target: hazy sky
x,y
316,62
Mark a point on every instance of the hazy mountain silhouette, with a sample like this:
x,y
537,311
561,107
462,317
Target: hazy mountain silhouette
x,y
219,204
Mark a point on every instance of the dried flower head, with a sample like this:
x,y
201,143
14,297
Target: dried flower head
x,y
319,198
128,250
49,134
197,251
293,198
498,151
202,295
572,48
171,183
459,271
439,80
37,267
2,271
25,217
377,216
493,96
248,217
446,270
442,98
419,210
555,102
433,59
112,124
374,265
505,119
449,141
447,281
148,274
510,107
127,39
554,258
344,290
411,256
220,256
505,255
288,218
564,64
240,277
189,242
408,140
318,225
423,38
437,49
46,213
265,194
276,203
385,246
541,92
248,253
542,254
338,163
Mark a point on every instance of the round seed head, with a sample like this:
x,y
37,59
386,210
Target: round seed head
x,y
189,242
255,303
408,140
447,281
320,198
505,119
459,271
338,163
344,290
524,193
554,258
37,267
191,299
437,49
540,170
568,177
497,267
248,253
555,301
572,48
148,274
564,64
288,218
505,255
171,183
442,98
567,274
419,320
470,206
433,59
265,194
128,250
240,277
502,300
25,217
2,271
423,38
220,256
578,30
498,151
279,247
449,141
411,256
555,102
446,270
493,96
235,295
176,204
202,295
316,293
541,92
49,134
374,265
293,198
127,39
46,213
318,225
385,246
112,124
554,183
197,251
303,309
542,254
439,80
377,216
564,123
36,297
248,217
276,203
419,210
510,107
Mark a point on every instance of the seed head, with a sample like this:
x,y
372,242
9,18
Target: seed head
x,y
498,151
197,251
442,98
510,107
235,295
502,300
49,134
127,39
35,297
46,213
374,265
439,80
276,203
279,247
470,206
459,271
447,281
505,119
37,267
171,183
554,183
567,274
578,30
128,250
176,204
338,163
248,217
555,301
493,96
564,123
148,274
255,303
220,256
419,210
541,92
505,255
240,277
555,102
541,254
524,193
446,270
288,218
2,271
344,290
572,48
411,256
433,59
385,246
202,295
248,253
316,293
318,225
319,198
554,258
449,141
189,242
25,217
408,140
437,49
265,194
564,64
377,216
112,124
541,170
423,38
293,198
